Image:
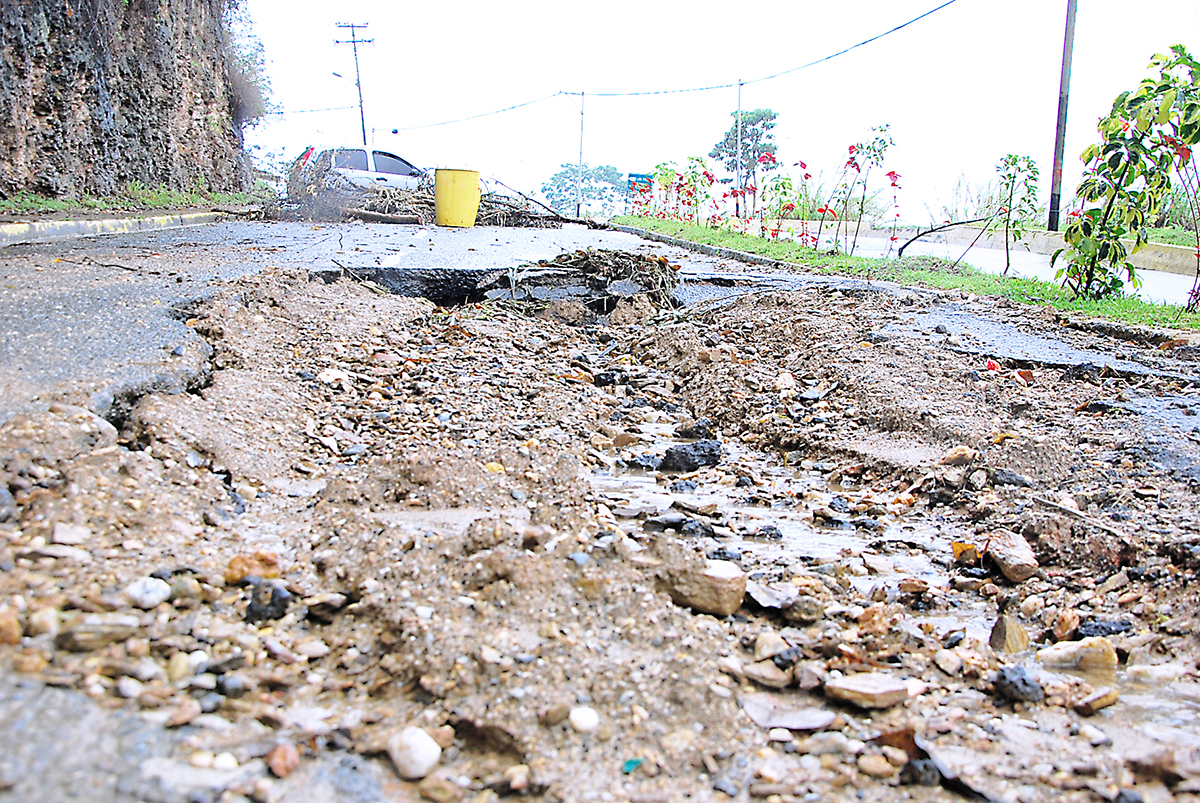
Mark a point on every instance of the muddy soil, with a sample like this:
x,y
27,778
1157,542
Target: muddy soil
x,y
379,516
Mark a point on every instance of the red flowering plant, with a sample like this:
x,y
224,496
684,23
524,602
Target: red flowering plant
x,y
857,170
894,178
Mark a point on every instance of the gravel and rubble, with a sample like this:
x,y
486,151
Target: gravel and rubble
x,y
756,548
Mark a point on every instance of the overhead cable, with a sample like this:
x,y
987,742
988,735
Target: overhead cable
x,y
682,91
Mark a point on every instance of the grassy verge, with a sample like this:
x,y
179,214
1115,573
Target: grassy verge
x,y
1173,236
927,272
135,197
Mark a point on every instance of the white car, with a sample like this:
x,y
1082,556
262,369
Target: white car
x,y
360,166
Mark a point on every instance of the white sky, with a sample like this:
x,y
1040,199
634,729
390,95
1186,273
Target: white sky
x,y
960,88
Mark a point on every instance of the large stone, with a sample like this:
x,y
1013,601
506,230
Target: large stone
x,y
1008,635
717,587
691,456
868,690
414,752
770,710
1012,555
1096,652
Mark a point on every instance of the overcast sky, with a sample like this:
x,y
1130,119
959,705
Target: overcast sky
x,y
960,88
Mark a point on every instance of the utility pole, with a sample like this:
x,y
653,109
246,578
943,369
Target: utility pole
x,y
1060,135
737,199
354,42
579,170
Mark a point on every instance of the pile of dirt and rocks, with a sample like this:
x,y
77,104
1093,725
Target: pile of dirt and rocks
x,y
764,547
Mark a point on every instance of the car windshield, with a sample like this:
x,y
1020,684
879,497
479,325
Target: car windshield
x,y
350,159
390,163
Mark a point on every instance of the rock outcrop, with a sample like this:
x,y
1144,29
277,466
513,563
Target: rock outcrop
x,y
95,94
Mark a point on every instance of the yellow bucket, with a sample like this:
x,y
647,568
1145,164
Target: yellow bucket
x,y
456,197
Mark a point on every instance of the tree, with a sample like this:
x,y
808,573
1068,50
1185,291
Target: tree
x,y
758,145
600,186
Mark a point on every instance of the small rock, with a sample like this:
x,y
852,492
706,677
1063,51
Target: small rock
x,y
70,534
225,761
413,752
1032,605
691,456
1008,635
1102,698
148,592
700,429
10,625
779,735
1012,555
826,742
129,688
768,644
29,662
268,600
1095,737
584,719
92,631
768,674
948,661
868,690
1014,684
875,766
1096,652
441,788
185,587
43,622
1065,624
260,564
187,710
556,715
959,456
283,759
718,587
179,666
804,609
1101,627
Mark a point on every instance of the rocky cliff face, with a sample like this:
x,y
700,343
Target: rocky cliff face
x,y
97,93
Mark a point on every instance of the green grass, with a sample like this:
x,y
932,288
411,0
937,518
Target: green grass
x,y
927,272
1173,235
135,197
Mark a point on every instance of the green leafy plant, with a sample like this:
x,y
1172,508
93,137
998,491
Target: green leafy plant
x,y
1148,134
1018,189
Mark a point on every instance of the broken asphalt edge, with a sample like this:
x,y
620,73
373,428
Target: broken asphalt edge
x,y
50,230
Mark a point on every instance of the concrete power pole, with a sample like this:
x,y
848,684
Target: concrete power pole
x,y
1060,136
354,42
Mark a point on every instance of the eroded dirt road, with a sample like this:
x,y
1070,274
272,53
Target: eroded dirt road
x,y
493,548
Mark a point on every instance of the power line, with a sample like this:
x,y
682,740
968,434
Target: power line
x,y
853,47
778,74
485,114
692,89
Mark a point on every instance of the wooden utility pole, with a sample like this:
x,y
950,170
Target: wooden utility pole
x,y
1064,85
354,41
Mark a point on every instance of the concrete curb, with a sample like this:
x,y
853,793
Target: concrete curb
x,y
1153,256
47,231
